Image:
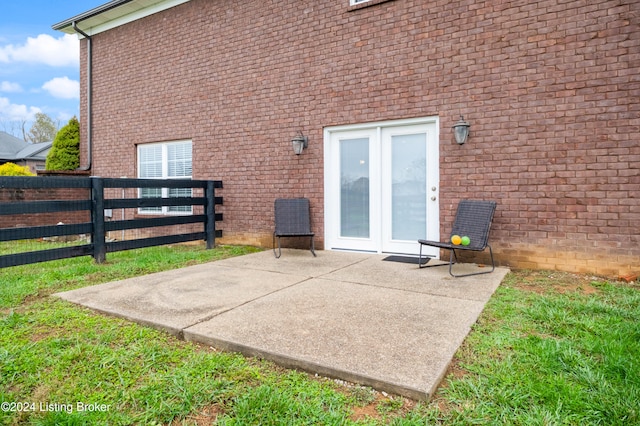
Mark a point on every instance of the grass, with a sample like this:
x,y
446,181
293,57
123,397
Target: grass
x,y
550,348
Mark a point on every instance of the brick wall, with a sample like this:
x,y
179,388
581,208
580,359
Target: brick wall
x,y
551,90
9,195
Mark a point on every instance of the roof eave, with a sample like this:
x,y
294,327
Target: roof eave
x,y
67,24
112,15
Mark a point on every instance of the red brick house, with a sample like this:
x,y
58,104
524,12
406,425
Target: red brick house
x,y
217,90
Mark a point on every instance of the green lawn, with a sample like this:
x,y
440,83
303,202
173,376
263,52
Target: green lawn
x,y
550,348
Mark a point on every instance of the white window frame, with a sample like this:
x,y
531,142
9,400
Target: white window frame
x,y
356,2
165,174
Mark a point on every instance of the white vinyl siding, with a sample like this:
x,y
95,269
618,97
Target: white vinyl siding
x,y
169,160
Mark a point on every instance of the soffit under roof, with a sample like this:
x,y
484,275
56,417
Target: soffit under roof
x,y
113,14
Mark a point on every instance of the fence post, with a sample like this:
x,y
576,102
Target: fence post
x,y
97,217
210,224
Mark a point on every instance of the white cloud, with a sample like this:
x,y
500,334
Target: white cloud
x,y
9,87
63,88
11,112
44,49
63,117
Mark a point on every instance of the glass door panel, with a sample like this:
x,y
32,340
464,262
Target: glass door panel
x,y
381,186
354,188
408,187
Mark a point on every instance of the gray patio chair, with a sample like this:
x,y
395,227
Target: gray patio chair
x,y
292,220
473,219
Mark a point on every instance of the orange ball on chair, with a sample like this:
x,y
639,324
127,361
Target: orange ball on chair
x,y
456,240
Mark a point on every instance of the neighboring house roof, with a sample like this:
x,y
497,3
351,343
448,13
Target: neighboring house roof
x,y
35,151
14,149
10,146
114,14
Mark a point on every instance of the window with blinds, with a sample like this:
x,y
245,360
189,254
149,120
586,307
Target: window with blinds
x,y
168,160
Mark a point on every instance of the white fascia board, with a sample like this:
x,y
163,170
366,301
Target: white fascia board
x,y
102,25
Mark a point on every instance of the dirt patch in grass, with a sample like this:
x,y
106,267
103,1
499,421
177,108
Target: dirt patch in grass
x,y
554,281
562,289
367,412
206,416
383,406
455,371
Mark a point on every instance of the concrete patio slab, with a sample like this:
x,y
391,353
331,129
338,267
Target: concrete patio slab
x,y
433,280
389,339
346,315
174,300
297,262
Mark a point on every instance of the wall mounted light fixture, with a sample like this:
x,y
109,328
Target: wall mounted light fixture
x,y
461,130
299,142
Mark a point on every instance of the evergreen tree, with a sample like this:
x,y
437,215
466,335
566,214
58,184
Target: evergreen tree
x,y
65,152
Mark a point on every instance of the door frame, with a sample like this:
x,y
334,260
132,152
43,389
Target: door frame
x,y
331,210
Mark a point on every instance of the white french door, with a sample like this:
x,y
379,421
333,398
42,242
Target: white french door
x,y
381,186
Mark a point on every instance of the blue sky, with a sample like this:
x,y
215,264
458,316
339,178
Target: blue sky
x,y
39,67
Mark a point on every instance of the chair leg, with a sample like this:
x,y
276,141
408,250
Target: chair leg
x,y
313,248
451,262
493,267
427,259
279,252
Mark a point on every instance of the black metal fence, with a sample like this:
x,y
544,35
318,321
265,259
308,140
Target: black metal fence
x,y
26,202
